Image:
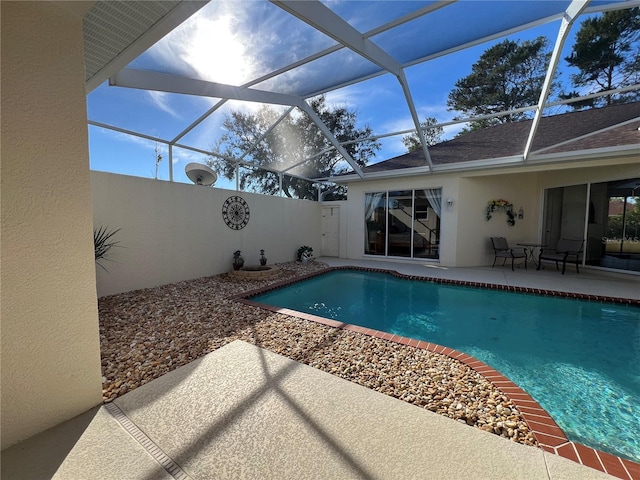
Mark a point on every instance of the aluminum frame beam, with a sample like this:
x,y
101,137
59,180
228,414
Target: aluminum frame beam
x,y
163,82
326,21
334,141
199,120
267,132
323,19
340,46
571,14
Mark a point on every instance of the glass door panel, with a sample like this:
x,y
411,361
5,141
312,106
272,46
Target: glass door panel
x,y
614,227
400,221
564,214
375,225
426,228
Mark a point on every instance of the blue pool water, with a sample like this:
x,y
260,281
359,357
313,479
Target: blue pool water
x,y
580,360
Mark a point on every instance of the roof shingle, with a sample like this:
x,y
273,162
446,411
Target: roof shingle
x,y
566,132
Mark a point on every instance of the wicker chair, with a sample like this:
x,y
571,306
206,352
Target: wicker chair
x,y
502,250
567,249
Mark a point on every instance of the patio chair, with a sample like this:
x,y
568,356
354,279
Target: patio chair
x,y
501,249
566,249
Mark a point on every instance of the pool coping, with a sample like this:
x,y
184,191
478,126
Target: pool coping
x,y
546,431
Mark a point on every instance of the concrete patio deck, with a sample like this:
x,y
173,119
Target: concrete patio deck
x,y
588,281
244,412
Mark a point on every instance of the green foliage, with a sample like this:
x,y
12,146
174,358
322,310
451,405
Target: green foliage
x,y
607,54
507,76
432,135
102,243
631,229
296,140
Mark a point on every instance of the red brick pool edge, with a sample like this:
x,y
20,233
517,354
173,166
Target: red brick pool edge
x,y
549,435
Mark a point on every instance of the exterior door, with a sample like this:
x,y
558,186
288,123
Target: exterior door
x,y
331,231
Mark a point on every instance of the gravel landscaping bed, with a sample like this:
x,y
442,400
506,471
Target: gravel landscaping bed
x,y
147,333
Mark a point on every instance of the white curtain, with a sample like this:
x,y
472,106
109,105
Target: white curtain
x,y
434,195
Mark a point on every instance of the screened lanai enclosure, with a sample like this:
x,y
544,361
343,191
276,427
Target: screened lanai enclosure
x,y
262,64
352,101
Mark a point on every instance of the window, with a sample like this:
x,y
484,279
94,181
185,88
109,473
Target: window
x,y
403,223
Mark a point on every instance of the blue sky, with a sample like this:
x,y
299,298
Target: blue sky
x,y
225,44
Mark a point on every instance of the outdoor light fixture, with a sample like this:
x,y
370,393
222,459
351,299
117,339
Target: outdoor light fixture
x,y
521,213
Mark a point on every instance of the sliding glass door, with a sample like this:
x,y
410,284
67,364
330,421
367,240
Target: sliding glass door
x,y
620,219
564,214
606,215
403,223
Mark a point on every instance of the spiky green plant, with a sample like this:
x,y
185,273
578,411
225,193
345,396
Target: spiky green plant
x,y
103,242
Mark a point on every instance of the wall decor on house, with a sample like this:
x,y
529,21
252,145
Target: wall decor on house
x,y
235,212
501,205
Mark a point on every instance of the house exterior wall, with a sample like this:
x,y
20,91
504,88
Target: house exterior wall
x,y
174,231
50,339
465,232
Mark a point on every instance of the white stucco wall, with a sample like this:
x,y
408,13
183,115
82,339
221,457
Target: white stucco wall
x,y
474,230
173,231
50,340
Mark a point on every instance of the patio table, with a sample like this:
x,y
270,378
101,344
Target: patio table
x,y
530,250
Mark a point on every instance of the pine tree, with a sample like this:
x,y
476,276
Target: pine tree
x,y
507,76
607,54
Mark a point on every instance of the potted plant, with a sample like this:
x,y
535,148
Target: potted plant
x,y
238,260
305,254
263,259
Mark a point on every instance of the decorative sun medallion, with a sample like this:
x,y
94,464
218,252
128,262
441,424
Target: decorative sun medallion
x,y
235,212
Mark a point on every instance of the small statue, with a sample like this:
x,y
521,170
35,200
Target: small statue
x,y
263,259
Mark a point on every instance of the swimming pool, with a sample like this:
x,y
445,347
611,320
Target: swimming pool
x,y
578,359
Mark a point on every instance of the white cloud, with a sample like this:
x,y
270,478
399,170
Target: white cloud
x,y
161,100
184,156
344,97
124,137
